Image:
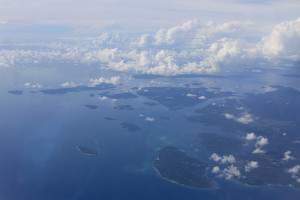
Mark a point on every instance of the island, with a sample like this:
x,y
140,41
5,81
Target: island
x,y
176,166
124,107
130,127
87,151
109,118
93,107
17,92
220,144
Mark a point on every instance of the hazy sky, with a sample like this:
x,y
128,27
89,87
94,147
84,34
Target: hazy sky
x,y
92,16
158,36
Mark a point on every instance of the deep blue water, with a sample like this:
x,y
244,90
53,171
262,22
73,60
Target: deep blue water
x,y
39,159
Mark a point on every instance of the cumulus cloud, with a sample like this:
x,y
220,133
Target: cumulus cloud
x,y
229,116
250,136
287,156
224,159
69,84
246,118
103,98
30,85
150,119
251,165
283,41
113,80
215,157
294,171
262,141
228,159
215,170
231,172
202,97
190,47
258,151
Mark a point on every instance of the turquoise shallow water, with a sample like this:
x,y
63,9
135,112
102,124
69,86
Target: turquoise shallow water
x,y
39,159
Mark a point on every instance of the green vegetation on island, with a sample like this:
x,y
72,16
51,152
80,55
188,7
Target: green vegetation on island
x,y
180,168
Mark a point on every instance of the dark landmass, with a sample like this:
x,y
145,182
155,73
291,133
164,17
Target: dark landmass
x,y
109,118
130,127
178,97
87,151
151,103
270,120
124,95
180,168
124,107
216,143
270,171
279,104
92,95
291,75
146,76
93,107
17,92
80,88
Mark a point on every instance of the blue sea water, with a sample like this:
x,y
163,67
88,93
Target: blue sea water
x,y
39,160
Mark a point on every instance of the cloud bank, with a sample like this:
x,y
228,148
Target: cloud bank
x,y
190,47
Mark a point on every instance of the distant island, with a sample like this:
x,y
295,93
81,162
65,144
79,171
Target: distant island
x,y
15,92
93,107
130,127
178,167
124,107
87,151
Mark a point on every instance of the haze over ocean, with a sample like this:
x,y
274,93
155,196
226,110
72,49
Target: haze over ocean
x,y
93,93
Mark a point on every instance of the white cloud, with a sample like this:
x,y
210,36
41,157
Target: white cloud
x,y
27,84
215,157
103,98
228,159
150,119
224,159
202,97
251,165
190,47
215,170
113,80
294,171
262,141
229,116
258,151
284,40
287,156
250,136
245,119
69,84
30,85
269,89
231,172
191,95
